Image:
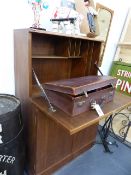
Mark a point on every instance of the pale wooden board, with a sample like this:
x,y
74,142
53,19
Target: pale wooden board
x,y
127,37
124,46
126,33
116,58
125,54
82,9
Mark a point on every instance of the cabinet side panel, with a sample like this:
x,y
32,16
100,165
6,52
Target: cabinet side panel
x,y
84,138
53,143
41,141
31,140
22,56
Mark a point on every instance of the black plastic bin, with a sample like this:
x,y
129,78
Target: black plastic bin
x,y
12,147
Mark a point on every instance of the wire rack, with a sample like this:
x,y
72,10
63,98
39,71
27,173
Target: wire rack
x,y
121,126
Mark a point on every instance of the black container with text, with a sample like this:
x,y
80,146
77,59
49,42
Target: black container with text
x,y
12,147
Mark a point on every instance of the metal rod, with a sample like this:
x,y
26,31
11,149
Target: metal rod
x,y
43,91
98,69
101,73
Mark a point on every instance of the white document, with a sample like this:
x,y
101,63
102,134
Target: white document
x,y
97,108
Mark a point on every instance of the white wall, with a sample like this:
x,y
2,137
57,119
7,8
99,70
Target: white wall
x,y
120,13
18,14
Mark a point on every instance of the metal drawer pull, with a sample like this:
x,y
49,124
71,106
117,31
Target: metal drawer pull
x,y
86,94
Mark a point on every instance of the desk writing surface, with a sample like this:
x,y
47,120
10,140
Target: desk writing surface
x,y
82,121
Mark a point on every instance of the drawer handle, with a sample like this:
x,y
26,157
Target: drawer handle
x,y
86,94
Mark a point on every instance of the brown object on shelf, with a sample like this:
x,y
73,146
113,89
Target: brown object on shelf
x,y
75,95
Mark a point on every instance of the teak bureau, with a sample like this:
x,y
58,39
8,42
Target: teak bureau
x,y
55,138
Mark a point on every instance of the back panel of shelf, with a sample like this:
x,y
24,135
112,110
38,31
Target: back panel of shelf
x,y
46,45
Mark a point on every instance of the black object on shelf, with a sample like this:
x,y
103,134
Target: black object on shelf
x,y
63,19
38,28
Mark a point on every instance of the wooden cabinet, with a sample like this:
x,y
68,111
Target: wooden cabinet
x,y
52,138
54,144
56,138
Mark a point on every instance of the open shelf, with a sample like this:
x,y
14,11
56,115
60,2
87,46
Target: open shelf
x,y
74,57
48,57
53,57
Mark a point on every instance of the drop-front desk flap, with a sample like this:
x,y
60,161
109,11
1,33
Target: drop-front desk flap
x,y
76,124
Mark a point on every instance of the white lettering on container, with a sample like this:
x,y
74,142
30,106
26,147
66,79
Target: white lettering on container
x,y
0,135
12,160
5,173
0,127
7,159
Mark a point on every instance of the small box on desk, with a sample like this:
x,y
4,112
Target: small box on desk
x,y
74,96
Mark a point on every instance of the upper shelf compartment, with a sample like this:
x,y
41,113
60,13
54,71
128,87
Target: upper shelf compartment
x,y
55,47
46,45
